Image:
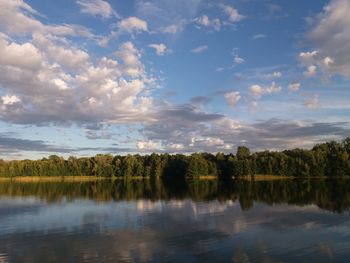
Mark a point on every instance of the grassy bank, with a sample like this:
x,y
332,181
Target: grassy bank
x,y
68,178
264,177
52,178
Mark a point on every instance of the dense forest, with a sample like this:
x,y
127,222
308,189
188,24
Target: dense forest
x,y
329,159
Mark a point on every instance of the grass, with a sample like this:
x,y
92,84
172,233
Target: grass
x,y
265,177
33,179
52,178
269,177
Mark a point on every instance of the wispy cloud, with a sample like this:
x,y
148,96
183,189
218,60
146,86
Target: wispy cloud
x,y
97,8
200,49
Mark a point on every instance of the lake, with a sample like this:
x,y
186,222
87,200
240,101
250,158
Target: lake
x,y
175,221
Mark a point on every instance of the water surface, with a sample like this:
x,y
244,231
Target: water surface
x,y
193,221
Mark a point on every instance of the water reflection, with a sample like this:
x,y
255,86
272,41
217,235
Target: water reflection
x,y
194,221
333,195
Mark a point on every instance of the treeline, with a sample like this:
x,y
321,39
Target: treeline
x,y
329,159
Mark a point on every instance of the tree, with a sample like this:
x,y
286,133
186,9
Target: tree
x,y
242,152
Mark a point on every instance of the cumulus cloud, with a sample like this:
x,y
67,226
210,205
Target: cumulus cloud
x,y
257,91
309,60
133,25
311,71
308,56
17,17
61,52
273,88
96,8
62,85
159,48
199,49
176,146
232,98
273,75
10,99
205,21
25,56
293,87
147,145
132,66
238,60
233,14
330,36
45,79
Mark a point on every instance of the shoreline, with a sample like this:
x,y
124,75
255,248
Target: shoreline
x,y
67,178
258,177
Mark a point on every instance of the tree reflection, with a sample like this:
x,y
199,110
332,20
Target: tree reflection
x,y
332,195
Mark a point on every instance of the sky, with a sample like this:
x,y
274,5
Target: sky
x,y
82,77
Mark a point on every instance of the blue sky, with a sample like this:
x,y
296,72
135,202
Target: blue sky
x,y
91,76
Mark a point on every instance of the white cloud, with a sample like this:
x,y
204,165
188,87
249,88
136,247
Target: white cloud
x,y
308,56
205,21
130,56
46,79
25,56
10,99
96,8
172,29
176,146
147,145
232,98
232,12
295,86
199,49
311,71
159,48
167,16
258,36
273,88
330,36
256,91
273,75
62,53
133,25
238,60
17,18
328,61
313,102
105,91
210,142
61,84
14,18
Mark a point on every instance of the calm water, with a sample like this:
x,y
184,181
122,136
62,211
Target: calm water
x,y
154,221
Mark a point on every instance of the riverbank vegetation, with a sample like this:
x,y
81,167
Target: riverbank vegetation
x,y
329,159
